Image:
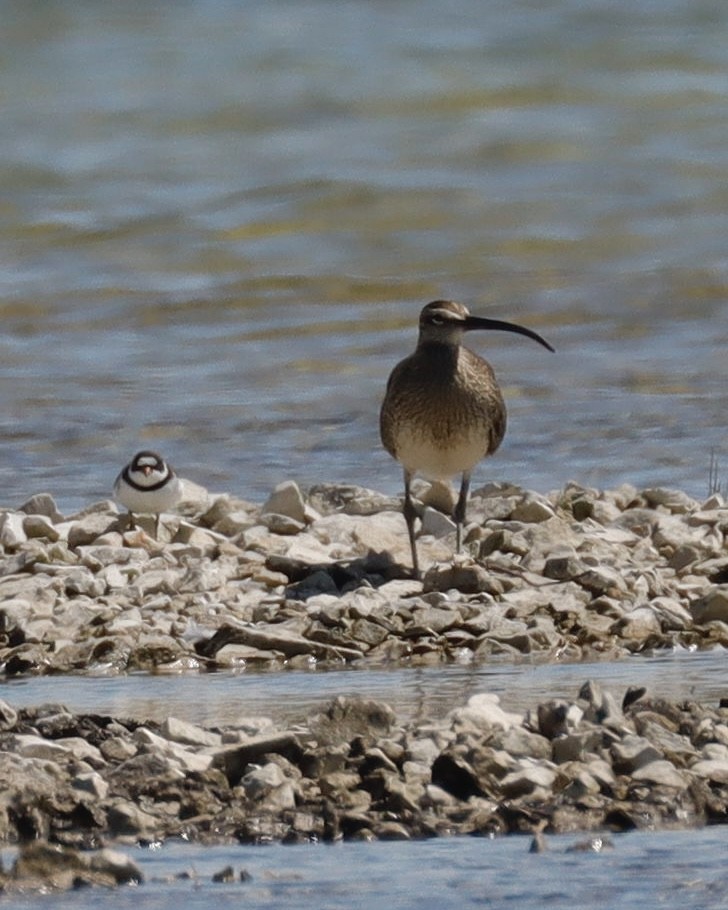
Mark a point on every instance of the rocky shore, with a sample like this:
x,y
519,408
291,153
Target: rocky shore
x,y
76,782
322,579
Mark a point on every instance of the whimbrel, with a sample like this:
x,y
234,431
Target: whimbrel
x,y
443,410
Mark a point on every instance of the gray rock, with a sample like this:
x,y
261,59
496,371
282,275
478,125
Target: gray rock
x,y
181,731
633,753
282,524
42,504
527,780
89,527
532,510
483,712
91,782
714,770
638,625
660,772
712,607
40,526
268,783
126,819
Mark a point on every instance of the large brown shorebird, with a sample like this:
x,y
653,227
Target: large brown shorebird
x,y
443,410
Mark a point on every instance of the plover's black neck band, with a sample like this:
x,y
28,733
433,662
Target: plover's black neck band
x,y
143,489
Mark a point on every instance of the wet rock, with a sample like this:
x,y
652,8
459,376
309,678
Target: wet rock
x,y
352,768
45,867
233,761
712,607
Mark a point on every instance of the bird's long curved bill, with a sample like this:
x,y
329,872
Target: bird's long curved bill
x,y
498,325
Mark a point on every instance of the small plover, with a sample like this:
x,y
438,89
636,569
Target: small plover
x,y
147,485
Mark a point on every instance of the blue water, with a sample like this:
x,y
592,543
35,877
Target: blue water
x,y
670,869
415,694
219,221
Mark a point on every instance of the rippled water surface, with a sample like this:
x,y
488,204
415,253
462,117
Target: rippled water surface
x,y
416,694
669,869
219,221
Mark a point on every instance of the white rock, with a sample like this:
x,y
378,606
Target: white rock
x,y
82,750
436,524
532,511
185,759
483,711
194,497
181,731
286,499
29,745
12,533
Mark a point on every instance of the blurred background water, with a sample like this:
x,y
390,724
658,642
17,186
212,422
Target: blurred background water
x,y
219,221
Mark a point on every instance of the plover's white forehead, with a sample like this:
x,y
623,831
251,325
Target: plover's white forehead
x,y
146,460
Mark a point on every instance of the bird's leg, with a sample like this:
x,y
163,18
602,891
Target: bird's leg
x,y
460,509
410,514
131,524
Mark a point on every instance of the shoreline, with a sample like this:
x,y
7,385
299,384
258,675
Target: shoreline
x,y
322,579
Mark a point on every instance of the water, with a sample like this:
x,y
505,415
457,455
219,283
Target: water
x,y
416,694
661,869
219,221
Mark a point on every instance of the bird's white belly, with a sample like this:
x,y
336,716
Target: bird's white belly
x,y
422,455
149,501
